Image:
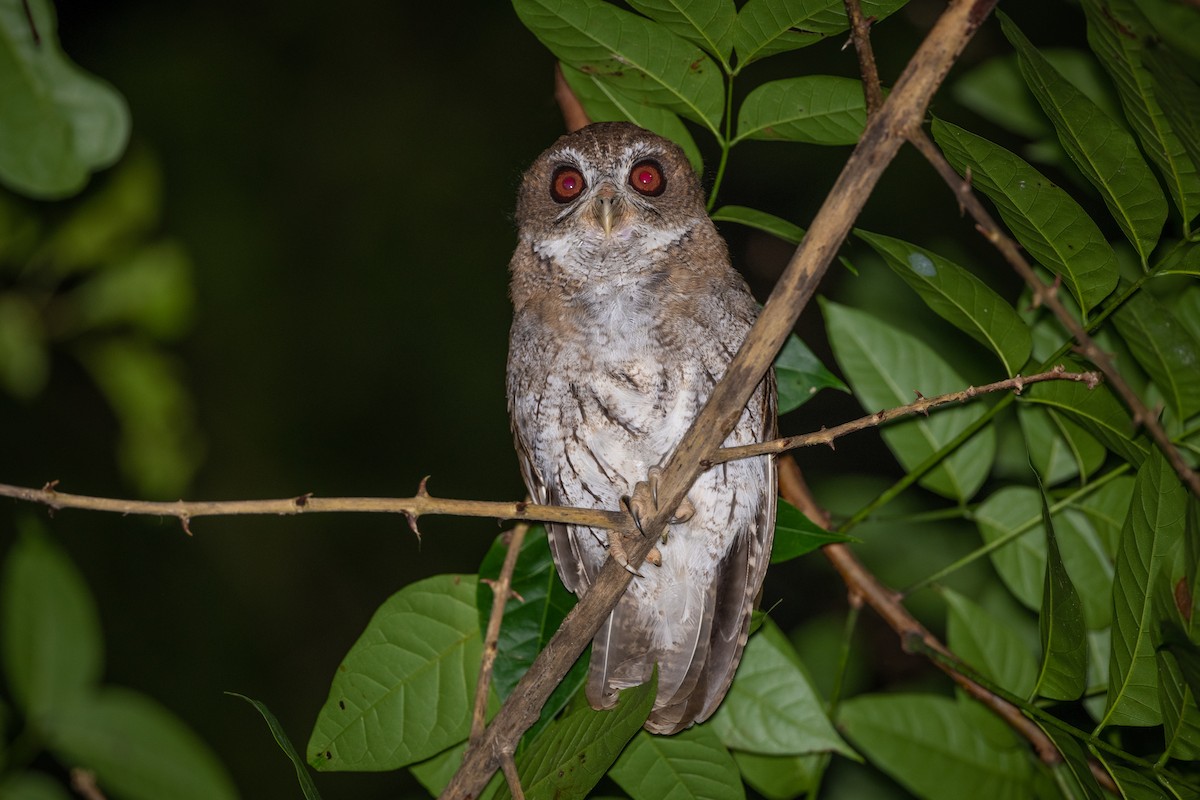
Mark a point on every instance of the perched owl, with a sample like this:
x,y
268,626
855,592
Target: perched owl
x,y
626,314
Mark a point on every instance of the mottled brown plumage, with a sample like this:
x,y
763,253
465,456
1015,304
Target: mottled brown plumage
x,y
626,314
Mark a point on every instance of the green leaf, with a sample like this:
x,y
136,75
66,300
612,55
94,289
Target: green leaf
x,y
690,765
50,634
799,375
640,57
32,786
815,109
604,102
435,773
138,749
797,535
1095,410
933,749
1122,38
159,448
1015,511
1181,716
151,289
885,367
1063,672
1152,531
1178,25
59,123
567,760
958,297
772,707
1045,219
24,357
1058,448
778,777
1179,96
1164,348
1075,760
403,692
708,23
1132,782
767,27
989,645
285,744
760,220
1103,150
1106,508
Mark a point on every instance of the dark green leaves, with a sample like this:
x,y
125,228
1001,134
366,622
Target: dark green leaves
x,y
59,123
796,534
1044,218
285,744
886,367
573,754
818,109
1164,348
958,297
760,220
641,58
799,375
402,693
1103,150
766,27
1063,674
690,764
708,23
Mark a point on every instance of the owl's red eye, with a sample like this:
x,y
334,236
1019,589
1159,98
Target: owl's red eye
x,y
566,184
647,178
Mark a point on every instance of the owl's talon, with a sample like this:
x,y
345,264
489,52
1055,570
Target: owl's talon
x,y
616,549
654,557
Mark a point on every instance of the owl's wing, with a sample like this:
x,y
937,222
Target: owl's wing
x,y
731,600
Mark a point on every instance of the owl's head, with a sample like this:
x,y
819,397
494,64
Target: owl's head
x,y
610,185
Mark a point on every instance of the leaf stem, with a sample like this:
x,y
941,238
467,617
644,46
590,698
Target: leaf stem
x,y
726,144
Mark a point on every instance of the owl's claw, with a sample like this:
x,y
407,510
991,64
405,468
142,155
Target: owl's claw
x,y
616,549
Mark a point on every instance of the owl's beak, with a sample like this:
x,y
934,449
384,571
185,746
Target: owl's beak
x,y
606,198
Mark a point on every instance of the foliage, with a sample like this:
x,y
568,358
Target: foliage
x,y
51,651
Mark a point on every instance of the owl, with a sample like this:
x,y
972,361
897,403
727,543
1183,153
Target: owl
x,y
626,314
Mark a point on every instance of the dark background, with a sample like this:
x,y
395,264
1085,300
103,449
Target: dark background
x,y
342,176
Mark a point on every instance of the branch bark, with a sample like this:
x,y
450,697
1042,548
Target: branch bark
x,y
901,113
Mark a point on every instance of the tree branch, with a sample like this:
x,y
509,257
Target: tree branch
x,y
885,132
501,588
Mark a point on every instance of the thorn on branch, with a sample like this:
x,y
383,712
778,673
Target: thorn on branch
x,y
412,522
185,521
422,488
1018,383
49,486
302,500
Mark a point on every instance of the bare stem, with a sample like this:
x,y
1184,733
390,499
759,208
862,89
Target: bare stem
x,y
501,588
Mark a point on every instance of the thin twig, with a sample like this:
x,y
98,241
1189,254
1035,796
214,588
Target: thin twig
x,y
83,781
511,776
1048,296
860,35
411,507
902,111
923,405
501,588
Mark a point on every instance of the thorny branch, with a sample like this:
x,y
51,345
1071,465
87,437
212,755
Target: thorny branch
x,y
424,503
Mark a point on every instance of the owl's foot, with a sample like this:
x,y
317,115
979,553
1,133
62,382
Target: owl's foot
x,y
644,502
616,549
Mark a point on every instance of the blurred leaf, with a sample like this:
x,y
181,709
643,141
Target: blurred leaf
x,y
1063,672
796,534
24,362
109,221
760,220
767,27
1095,410
931,748
958,297
1104,151
529,619
567,760
1043,218
778,777
59,123
1164,348
606,103
1178,24
772,707
1058,448
32,786
1179,96
51,637
1122,37
1075,760
799,375
815,109
1131,782
885,367
285,744
640,57
138,749
1021,562
690,765
989,645
1181,716
151,290
403,692
1106,508
435,773
159,448
708,23
1152,531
